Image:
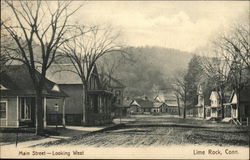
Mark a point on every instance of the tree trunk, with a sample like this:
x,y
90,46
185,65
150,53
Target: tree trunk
x,y
39,114
204,112
238,94
238,102
85,103
184,111
185,105
222,102
178,103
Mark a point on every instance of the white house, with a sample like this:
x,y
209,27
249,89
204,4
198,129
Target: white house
x,y
216,109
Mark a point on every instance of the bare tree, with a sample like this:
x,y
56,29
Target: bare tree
x,y
178,102
180,87
5,43
84,51
40,25
109,64
236,44
230,61
217,70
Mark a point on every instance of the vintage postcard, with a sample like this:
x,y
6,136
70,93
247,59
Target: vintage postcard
x,y
124,79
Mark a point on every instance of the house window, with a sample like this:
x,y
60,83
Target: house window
x,y
117,93
100,105
25,109
3,109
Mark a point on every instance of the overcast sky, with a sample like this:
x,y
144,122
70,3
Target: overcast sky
x,y
180,25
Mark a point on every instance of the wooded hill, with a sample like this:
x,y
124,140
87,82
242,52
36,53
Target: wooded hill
x,y
147,69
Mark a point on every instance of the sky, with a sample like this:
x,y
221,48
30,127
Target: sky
x,y
181,25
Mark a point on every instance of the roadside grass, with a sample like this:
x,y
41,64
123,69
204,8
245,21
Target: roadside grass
x,y
10,136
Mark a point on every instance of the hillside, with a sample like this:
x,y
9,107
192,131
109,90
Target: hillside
x,y
149,68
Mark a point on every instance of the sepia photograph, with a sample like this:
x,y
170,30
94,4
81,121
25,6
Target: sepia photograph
x,y
133,79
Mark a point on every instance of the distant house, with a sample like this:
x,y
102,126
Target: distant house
x,y
243,110
117,88
98,110
215,107
172,103
159,107
140,106
18,96
159,98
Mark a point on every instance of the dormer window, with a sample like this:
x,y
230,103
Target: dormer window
x,y
2,87
56,88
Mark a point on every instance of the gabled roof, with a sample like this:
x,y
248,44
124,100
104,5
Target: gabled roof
x,y
159,98
244,95
172,104
215,94
143,103
66,74
218,95
127,101
62,74
158,104
17,80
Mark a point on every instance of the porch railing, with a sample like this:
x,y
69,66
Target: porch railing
x,y
244,121
241,121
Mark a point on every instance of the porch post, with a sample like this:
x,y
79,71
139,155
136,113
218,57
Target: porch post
x,y
17,107
44,112
231,111
63,111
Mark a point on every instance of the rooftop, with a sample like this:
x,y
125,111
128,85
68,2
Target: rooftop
x,y
17,81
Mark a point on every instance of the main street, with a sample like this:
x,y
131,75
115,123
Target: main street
x,y
149,130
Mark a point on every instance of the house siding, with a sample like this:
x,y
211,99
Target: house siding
x,y
96,114
135,109
172,110
73,106
11,119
